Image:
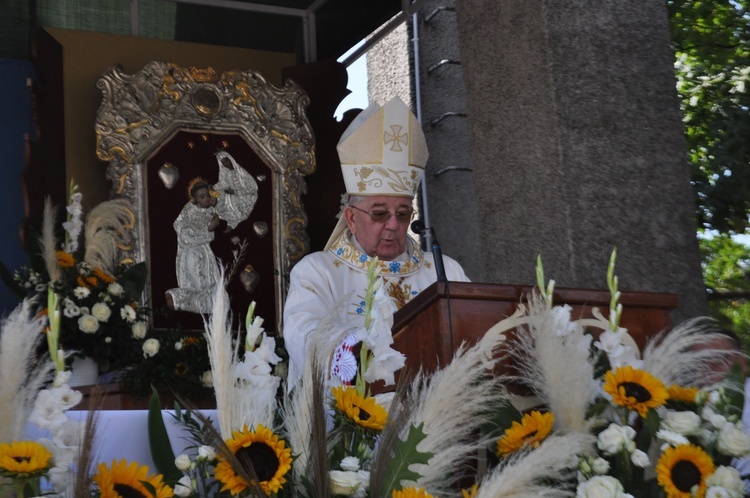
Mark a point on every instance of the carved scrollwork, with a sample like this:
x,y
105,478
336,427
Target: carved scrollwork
x,y
141,111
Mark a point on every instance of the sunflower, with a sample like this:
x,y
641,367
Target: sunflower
x,y
269,455
64,259
471,492
411,493
635,389
681,468
24,460
123,480
365,412
532,430
682,394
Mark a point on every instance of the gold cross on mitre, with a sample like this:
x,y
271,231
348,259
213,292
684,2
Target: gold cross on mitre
x,y
395,138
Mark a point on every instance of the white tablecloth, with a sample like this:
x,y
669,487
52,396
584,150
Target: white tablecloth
x,y
124,434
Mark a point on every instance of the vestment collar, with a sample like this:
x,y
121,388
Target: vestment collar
x,y
346,251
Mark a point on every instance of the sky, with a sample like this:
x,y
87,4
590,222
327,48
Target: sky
x,y
357,84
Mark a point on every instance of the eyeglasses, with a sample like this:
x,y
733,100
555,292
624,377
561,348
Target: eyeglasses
x,y
402,216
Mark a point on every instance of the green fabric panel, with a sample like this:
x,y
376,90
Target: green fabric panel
x,y
108,16
15,30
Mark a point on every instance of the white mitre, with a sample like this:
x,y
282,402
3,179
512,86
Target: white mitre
x,y
382,152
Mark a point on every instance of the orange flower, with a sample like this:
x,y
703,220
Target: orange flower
x,y
64,259
103,276
87,282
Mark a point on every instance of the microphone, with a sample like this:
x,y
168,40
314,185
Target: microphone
x,y
418,226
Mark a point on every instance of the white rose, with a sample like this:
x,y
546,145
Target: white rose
x,y
344,482
733,441
206,453
640,459
139,330
207,379
614,438
600,466
182,462
115,289
184,487
150,347
178,345
728,480
600,487
686,422
350,463
717,492
101,311
88,324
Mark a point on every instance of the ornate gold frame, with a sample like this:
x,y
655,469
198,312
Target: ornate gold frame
x,y
141,111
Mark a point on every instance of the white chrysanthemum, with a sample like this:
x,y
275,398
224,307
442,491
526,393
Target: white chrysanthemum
x,y
128,313
81,292
672,438
71,311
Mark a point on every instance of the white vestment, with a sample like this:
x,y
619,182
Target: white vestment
x,y
337,277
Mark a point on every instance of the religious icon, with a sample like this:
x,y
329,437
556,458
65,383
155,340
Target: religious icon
x,y
238,191
196,265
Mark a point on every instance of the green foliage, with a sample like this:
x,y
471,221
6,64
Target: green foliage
x,y
712,49
158,439
725,271
405,454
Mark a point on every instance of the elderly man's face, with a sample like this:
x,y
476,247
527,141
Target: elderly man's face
x,y
385,239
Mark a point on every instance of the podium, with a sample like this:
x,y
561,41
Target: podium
x,y
430,327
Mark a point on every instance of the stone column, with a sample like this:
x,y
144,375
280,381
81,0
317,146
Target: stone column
x,y
577,145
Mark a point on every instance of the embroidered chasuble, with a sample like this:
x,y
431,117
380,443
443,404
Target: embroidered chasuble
x,y
330,286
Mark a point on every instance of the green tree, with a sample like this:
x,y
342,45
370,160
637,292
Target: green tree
x,y
711,40
726,270
712,48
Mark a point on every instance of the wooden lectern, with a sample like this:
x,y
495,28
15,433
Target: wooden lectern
x,y
433,324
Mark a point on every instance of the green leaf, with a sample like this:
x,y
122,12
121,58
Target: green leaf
x,y
501,419
652,422
133,280
405,453
158,440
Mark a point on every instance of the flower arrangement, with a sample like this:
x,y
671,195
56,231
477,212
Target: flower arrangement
x,y
98,298
662,421
605,421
